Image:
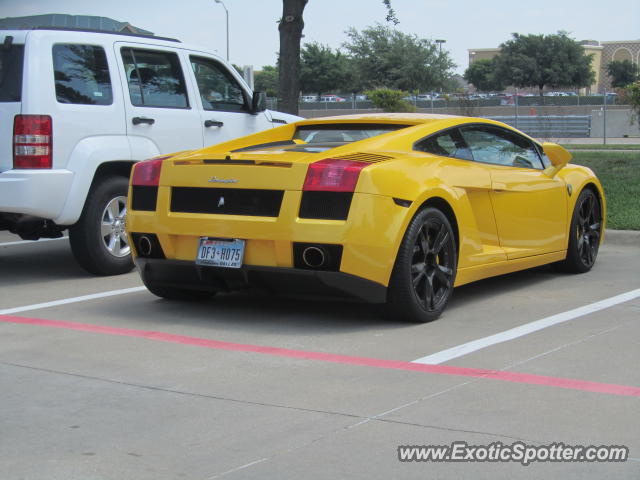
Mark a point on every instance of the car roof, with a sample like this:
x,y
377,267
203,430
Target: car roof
x,y
435,121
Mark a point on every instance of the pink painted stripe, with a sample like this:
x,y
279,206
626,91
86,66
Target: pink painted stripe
x,y
505,376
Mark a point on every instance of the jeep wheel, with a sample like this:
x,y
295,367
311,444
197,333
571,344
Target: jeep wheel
x,y
99,241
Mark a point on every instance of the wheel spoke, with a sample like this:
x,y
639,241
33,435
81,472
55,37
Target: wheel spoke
x,y
422,240
428,293
106,229
418,267
417,278
113,210
444,275
441,240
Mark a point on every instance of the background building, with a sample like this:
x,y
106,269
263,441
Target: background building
x,y
603,53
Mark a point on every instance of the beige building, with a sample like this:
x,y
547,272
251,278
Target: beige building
x,y
603,53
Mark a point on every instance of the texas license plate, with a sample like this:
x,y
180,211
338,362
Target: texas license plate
x,y
215,252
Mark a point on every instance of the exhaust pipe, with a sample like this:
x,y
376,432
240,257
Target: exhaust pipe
x,y
145,246
314,257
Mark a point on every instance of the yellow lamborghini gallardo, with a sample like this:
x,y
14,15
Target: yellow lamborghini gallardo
x,y
389,208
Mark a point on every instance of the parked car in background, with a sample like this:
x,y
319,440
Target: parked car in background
x,y
389,208
308,98
332,98
79,108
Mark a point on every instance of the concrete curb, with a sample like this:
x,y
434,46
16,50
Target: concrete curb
x,y
622,237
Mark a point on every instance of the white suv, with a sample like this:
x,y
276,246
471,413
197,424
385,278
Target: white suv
x,y
78,108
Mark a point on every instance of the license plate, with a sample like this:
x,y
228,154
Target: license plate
x,y
215,252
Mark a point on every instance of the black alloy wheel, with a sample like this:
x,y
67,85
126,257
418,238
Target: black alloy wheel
x,y
424,273
585,234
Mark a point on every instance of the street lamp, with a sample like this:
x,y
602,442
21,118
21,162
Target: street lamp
x,y
439,42
227,14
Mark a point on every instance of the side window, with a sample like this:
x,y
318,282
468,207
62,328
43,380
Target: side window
x,y
81,75
218,89
155,78
545,160
446,144
499,146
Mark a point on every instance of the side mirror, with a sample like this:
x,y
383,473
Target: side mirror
x,y
559,157
258,102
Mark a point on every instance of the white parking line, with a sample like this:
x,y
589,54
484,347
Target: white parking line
x,y
24,242
475,345
66,301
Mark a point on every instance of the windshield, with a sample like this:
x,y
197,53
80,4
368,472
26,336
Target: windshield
x,y
11,59
341,133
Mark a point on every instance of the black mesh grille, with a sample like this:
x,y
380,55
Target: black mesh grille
x,y
325,205
226,201
144,198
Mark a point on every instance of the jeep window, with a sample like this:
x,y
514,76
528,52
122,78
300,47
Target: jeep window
x,y
218,89
81,75
11,59
155,78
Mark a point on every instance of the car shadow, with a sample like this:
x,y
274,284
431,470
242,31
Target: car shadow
x,y
37,262
260,312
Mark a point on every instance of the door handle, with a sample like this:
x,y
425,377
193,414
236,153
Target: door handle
x,y
139,120
213,123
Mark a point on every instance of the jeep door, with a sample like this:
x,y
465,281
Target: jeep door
x,y
161,115
224,101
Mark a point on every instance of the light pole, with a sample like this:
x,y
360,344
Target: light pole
x,y
227,14
439,42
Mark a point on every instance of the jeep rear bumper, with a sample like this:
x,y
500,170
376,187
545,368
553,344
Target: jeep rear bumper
x,y
39,193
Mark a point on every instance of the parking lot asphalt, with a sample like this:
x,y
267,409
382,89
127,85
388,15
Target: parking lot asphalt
x,y
106,381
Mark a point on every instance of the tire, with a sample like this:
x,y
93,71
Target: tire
x,y
424,272
171,293
98,240
584,234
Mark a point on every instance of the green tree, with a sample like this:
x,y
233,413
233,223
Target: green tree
x,y
321,69
390,100
481,74
380,56
543,60
622,73
266,80
632,93
290,28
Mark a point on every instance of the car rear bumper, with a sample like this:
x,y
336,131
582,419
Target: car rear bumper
x,y
41,193
188,275
369,237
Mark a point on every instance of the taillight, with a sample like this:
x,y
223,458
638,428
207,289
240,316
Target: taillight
x,y
333,175
32,141
147,172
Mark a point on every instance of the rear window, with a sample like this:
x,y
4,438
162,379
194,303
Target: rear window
x,y
11,60
342,133
81,75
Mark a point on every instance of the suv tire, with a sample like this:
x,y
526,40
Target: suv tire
x,y
98,240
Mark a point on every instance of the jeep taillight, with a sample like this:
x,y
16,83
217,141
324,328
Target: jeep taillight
x,y
333,175
147,172
32,141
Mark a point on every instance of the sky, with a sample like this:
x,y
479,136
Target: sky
x,y
253,28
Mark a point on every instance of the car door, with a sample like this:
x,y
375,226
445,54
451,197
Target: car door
x,y
161,116
482,245
529,207
223,102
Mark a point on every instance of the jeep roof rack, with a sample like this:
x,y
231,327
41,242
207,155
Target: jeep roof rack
x,y
93,30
